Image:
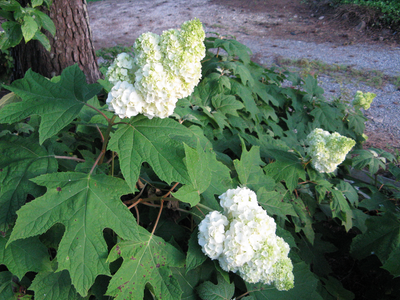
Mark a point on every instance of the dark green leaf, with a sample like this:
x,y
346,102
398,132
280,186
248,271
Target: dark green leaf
x,y
6,286
22,256
274,204
288,167
49,285
21,159
234,48
382,238
226,104
195,256
57,103
43,40
220,291
14,34
250,171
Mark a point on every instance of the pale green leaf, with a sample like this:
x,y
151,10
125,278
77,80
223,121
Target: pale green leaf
x,y
144,140
86,205
146,263
23,256
197,163
37,3
57,103
29,28
21,159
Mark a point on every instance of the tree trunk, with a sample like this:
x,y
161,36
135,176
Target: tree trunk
x,y
72,44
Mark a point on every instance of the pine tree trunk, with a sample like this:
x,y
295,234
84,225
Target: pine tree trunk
x,y
72,44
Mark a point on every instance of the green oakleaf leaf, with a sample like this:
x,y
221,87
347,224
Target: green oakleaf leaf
x,y
23,256
86,205
226,104
373,158
21,159
273,203
234,48
197,163
220,291
37,3
147,262
250,171
195,256
51,285
57,103
6,285
143,140
327,115
288,167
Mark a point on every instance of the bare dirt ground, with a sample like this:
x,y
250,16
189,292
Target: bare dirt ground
x,y
120,22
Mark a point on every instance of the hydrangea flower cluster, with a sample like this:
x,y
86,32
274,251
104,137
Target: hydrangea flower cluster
x,y
327,150
363,100
243,240
121,69
165,69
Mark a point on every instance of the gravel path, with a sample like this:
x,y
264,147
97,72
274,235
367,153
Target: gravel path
x,y
384,114
120,22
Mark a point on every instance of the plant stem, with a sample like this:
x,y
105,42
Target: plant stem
x,y
205,207
106,137
158,217
69,157
99,111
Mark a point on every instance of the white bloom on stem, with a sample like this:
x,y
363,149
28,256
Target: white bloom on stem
x,y
250,245
327,150
167,68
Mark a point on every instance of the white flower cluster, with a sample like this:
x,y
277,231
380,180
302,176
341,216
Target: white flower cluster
x,y
166,68
121,69
243,240
363,100
327,150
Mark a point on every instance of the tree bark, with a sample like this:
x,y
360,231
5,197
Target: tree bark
x,y
72,44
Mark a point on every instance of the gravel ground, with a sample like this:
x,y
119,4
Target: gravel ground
x,y
384,114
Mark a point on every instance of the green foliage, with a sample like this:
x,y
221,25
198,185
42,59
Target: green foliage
x,y
25,23
109,207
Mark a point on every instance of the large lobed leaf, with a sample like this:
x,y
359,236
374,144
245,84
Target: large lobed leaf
x,y
57,103
147,262
21,159
86,205
152,141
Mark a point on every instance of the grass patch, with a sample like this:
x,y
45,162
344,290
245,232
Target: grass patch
x,y
374,78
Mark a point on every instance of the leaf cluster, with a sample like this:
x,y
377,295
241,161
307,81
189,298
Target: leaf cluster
x,y
93,206
25,23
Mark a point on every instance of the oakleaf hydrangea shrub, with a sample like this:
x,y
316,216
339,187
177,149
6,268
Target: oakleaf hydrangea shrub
x,y
243,240
327,150
165,68
147,206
